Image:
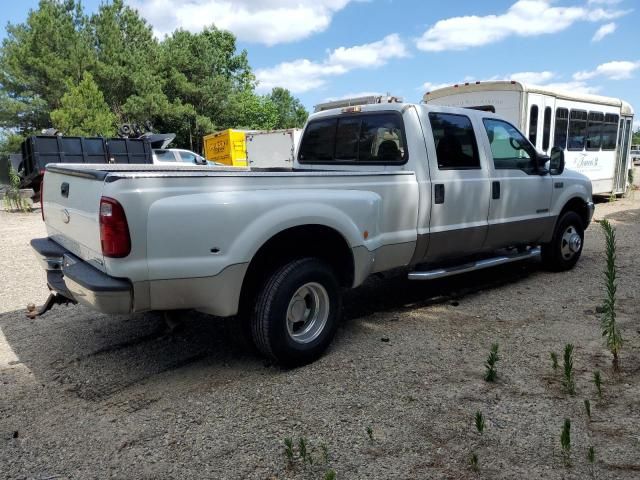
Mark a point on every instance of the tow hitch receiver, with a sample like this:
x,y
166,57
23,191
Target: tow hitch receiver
x,y
54,299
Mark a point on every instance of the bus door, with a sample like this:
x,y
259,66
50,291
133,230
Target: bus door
x,y
547,116
622,155
539,119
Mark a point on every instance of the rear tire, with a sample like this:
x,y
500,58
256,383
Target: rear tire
x,y
565,248
296,312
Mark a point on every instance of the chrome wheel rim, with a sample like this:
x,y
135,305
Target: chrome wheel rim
x,y
307,312
570,243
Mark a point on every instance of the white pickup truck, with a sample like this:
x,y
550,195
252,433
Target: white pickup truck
x,y
435,190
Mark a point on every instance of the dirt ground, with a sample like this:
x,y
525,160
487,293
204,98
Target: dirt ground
x,y
85,395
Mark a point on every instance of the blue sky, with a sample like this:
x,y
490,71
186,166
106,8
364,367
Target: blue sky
x,y
322,49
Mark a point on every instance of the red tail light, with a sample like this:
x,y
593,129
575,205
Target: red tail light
x,y
114,230
41,197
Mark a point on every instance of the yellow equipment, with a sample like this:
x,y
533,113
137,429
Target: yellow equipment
x,y
228,147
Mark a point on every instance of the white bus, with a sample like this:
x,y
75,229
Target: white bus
x,y
594,131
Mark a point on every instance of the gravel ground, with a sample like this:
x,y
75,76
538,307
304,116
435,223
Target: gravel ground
x,y
85,395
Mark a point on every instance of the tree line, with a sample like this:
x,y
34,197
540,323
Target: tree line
x,y
86,74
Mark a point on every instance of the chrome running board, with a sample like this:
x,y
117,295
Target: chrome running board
x,y
477,265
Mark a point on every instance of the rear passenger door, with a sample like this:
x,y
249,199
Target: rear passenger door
x,y
520,197
460,187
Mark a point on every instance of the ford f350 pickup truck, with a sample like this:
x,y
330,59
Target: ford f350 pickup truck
x,y
435,190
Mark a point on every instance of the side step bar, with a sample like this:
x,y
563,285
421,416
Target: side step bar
x,y
477,265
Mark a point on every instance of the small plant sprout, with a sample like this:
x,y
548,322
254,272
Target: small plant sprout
x,y
609,327
302,448
597,380
12,198
325,452
288,448
473,462
479,422
587,408
591,455
554,360
568,382
490,365
565,442
330,475
370,433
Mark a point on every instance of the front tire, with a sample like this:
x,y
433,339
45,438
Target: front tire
x,y
297,311
565,248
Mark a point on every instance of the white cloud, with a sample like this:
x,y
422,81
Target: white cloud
x,y
263,21
603,2
536,78
430,87
303,75
616,70
524,18
574,87
603,31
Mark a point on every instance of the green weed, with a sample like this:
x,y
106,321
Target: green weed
x,y
473,462
568,381
609,327
479,422
597,380
554,360
587,408
565,442
491,373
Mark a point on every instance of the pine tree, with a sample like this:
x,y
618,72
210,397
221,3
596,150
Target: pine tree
x,y
83,111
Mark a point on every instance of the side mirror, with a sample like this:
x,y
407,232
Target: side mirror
x,y
556,162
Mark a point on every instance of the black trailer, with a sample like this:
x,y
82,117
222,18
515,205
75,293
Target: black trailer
x,y
39,150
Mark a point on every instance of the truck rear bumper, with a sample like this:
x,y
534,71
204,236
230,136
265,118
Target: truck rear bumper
x,y
76,280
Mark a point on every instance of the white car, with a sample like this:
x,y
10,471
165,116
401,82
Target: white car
x,y
177,155
435,190
635,154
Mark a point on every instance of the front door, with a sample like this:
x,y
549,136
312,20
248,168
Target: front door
x,y
622,155
459,187
520,197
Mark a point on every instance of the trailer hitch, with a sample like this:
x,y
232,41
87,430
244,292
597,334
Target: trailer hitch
x,y
54,299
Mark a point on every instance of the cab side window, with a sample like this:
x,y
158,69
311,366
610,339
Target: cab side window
x,y
509,148
455,140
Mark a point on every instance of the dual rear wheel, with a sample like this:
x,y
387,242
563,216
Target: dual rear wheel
x,y
296,312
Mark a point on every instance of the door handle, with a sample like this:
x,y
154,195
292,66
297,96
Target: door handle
x,y
495,190
438,193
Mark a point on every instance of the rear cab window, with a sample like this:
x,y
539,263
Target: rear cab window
x,y
372,138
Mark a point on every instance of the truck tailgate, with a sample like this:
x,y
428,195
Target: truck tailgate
x,y
71,202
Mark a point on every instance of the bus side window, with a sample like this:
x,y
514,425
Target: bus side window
x,y
560,132
609,131
546,128
533,125
577,130
594,130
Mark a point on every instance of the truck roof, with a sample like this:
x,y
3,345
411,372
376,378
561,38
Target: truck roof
x,y
398,107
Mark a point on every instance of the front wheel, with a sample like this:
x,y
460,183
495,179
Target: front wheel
x,y
565,247
297,311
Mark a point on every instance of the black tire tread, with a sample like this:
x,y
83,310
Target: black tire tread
x,y
550,253
260,323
